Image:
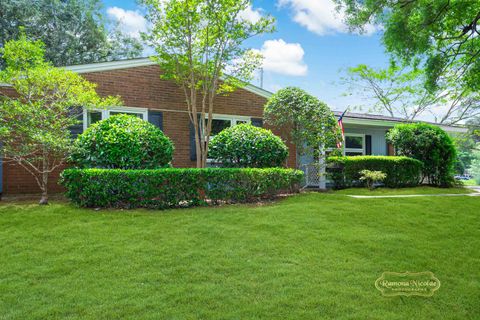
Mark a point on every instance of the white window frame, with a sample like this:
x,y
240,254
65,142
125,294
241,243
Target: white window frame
x,y
106,113
356,150
233,122
233,119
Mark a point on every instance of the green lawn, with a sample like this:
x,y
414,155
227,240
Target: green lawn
x,y
312,256
471,182
403,191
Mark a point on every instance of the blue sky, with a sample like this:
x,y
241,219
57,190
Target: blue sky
x,y
309,49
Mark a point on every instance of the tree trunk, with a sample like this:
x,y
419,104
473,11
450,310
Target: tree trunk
x,y
44,181
44,188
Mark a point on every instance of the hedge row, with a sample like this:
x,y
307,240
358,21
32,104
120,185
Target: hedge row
x,y
168,188
401,171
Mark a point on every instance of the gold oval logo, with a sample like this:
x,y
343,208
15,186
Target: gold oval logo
x,y
407,284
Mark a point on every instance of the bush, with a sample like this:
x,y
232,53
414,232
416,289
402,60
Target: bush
x,y
429,144
168,188
247,146
122,142
401,171
372,177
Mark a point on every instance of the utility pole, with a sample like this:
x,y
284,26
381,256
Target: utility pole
x,y
261,78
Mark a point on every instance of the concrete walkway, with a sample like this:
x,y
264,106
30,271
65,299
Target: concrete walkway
x,y
476,193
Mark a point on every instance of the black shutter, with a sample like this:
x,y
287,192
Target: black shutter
x,y
368,145
193,148
156,118
257,122
77,129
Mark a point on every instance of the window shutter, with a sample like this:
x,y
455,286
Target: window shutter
x,y
368,145
193,149
156,118
257,122
77,129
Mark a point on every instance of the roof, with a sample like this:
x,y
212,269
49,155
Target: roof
x,y
387,121
350,117
141,62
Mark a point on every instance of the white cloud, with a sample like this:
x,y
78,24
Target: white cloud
x,y
320,16
131,22
283,58
249,14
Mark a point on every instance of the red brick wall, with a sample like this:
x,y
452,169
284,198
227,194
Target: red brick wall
x,y
142,87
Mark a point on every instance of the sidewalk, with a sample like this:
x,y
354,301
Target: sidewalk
x,y
474,194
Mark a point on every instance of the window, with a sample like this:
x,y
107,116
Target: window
x,y
354,144
93,116
221,122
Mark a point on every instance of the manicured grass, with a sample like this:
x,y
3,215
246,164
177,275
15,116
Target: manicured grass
x,y
312,256
403,191
470,182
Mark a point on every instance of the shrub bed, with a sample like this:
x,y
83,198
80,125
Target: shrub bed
x,y
401,171
169,188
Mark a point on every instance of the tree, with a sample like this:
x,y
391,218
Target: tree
x,y
307,122
199,45
34,124
73,31
474,168
400,92
443,35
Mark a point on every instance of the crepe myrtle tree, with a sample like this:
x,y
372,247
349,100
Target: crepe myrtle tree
x,y
200,45
35,122
307,122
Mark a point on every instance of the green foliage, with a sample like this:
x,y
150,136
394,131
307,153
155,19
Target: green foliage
x,y
474,167
465,145
429,144
73,31
122,142
442,34
35,123
201,46
168,188
400,172
372,177
400,92
307,121
247,146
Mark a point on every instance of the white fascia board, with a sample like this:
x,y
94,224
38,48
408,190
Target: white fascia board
x,y
111,65
133,63
386,123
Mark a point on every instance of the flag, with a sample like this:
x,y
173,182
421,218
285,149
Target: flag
x,y
340,124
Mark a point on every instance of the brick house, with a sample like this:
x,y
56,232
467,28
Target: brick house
x,y
161,102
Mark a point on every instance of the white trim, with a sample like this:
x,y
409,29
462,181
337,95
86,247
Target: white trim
x,y
142,62
387,123
106,113
110,65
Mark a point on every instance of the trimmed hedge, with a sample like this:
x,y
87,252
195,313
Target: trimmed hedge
x,y
431,145
169,188
247,146
401,171
122,142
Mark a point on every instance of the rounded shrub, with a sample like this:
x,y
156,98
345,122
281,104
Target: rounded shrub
x,y
429,144
122,142
247,146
